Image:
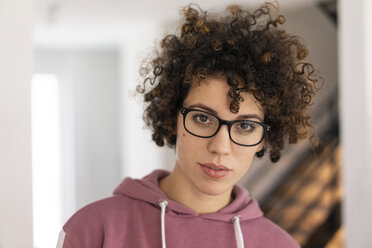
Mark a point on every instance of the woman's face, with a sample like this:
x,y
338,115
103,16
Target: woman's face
x,y
196,156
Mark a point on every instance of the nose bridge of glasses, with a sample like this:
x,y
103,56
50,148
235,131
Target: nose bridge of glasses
x,y
221,124
224,122
220,141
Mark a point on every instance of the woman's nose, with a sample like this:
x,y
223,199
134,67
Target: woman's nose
x,y
220,143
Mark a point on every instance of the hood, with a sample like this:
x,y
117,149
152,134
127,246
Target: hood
x,y
147,190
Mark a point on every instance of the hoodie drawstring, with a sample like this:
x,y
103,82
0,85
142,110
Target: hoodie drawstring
x,y
238,232
163,205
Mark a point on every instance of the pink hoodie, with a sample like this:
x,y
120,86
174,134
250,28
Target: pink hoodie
x,y
140,215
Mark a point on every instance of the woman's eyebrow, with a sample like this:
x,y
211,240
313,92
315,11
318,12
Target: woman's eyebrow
x,y
250,116
212,111
202,106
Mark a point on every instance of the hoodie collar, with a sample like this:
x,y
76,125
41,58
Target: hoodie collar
x,y
147,190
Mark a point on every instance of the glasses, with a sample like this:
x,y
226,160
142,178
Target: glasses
x,y
205,125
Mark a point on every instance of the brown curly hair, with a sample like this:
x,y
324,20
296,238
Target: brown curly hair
x,y
251,53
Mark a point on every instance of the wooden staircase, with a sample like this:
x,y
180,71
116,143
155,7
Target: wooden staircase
x,y
307,203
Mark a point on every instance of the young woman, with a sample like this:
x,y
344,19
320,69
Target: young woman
x,y
224,89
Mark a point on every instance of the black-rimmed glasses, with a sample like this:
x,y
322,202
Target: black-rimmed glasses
x,y
205,125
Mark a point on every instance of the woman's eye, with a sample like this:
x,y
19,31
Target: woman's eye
x,y
201,118
245,126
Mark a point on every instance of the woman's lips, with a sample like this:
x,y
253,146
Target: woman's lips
x,y
215,171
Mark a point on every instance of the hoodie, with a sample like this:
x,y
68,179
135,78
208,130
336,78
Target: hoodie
x,y
140,215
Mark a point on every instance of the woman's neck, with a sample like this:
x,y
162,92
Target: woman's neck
x,y
179,189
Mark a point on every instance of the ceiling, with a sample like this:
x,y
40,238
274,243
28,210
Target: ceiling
x,y
71,21
60,10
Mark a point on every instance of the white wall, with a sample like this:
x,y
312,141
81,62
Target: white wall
x,y
15,124
89,92
103,135
140,155
355,64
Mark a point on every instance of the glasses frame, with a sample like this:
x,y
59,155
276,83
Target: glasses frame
x,y
184,111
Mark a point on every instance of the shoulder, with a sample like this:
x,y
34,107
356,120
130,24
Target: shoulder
x,y
98,209
86,227
269,234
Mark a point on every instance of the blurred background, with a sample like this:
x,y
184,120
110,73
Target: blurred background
x,y
72,129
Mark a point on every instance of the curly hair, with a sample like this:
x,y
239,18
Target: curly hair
x,y
251,53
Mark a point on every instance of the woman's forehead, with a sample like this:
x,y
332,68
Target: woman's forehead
x,y
213,92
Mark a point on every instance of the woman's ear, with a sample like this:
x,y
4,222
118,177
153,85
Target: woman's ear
x,y
260,153
261,149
